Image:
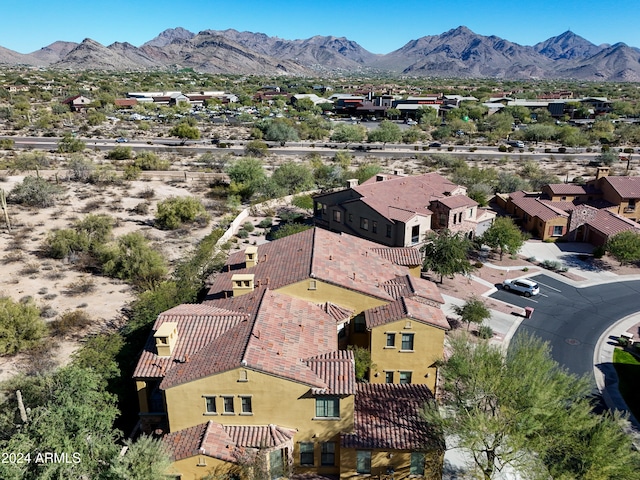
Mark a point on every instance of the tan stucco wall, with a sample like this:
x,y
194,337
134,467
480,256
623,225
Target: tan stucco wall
x,y
199,466
274,401
428,344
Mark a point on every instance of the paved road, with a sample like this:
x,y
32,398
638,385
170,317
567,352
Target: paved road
x,y
573,319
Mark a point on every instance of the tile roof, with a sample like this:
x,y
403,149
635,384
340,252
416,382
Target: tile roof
x,y
405,308
400,197
407,256
281,332
337,369
609,223
626,187
224,441
339,259
197,326
388,416
457,201
409,286
533,206
572,189
336,311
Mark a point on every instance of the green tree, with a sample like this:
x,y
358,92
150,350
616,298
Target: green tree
x,y
150,161
120,153
387,132
20,326
624,246
362,357
69,144
344,132
474,310
247,177
185,132
144,459
280,131
132,259
293,177
68,411
446,253
366,170
173,212
503,235
608,158
522,410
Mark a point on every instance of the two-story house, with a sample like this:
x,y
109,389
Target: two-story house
x,y
258,374
398,210
592,212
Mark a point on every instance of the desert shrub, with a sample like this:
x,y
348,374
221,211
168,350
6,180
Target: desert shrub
x,y
35,192
48,312
256,148
131,172
133,259
92,205
242,233
31,161
61,243
69,322
142,208
80,168
502,148
21,327
175,211
248,226
120,153
551,264
288,229
266,222
303,201
12,257
30,268
485,331
150,161
148,193
81,286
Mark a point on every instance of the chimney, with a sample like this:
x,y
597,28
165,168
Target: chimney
x,y
352,182
602,172
250,257
399,172
380,177
166,337
242,283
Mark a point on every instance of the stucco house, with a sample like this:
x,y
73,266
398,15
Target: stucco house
x,y
260,374
398,210
592,212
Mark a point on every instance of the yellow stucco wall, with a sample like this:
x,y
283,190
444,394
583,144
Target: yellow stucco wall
x,y
381,460
274,401
428,344
326,292
199,466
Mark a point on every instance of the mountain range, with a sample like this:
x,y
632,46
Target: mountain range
x,y
457,53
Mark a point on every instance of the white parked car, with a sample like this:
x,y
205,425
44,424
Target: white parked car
x,y
522,285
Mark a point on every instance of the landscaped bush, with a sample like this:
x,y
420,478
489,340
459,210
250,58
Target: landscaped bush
x,y
552,264
248,226
303,201
288,229
266,222
485,331
175,211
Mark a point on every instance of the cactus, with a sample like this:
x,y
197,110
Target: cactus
x,y
3,204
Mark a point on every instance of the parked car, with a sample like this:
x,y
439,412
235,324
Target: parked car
x,y
522,285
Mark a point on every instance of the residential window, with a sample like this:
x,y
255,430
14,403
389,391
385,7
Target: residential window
x,y
407,341
460,217
306,453
328,456
388,231
328,407
632,204
443,220
246,405
471,213
557,230
364,223
227,403
351,218
417,463
363,461
405,377
388,377
415,234
337,216
324,209
210,404
391,339
374,227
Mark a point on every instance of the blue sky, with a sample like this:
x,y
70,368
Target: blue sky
x,y
379,26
